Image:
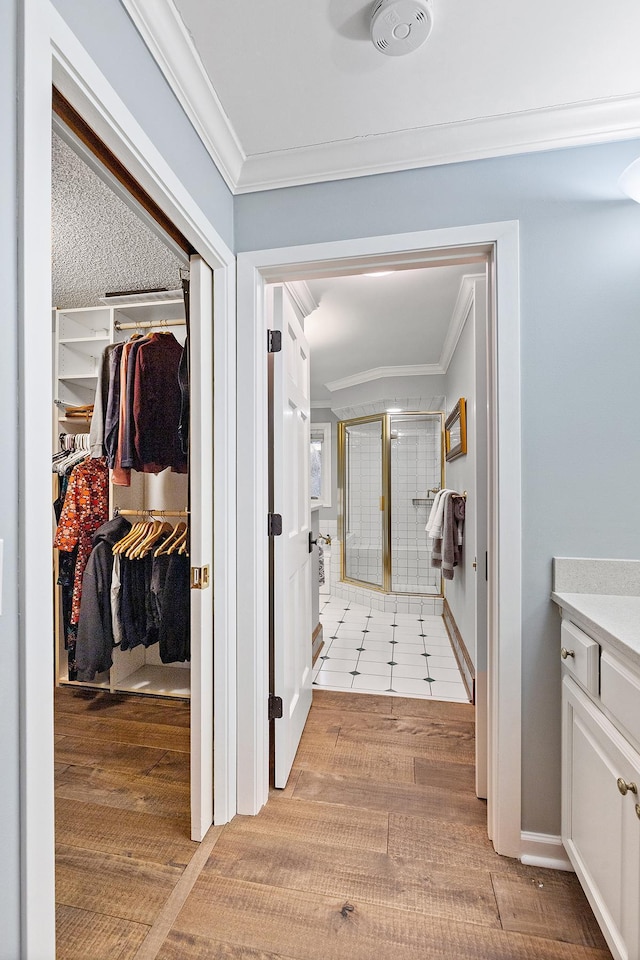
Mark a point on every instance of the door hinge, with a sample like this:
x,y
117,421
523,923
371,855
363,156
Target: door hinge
x,y
274,341
275,707
274,524
199,578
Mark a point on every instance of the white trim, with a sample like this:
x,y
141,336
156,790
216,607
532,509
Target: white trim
x,y
301,295
463,304
544,850
162,29
380,373
35,587
529,131
78,78
541,128
254,269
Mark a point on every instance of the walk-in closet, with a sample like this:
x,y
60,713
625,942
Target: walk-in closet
x,y
131,534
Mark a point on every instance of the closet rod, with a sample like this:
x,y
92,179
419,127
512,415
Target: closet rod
x,y
145,324
150,513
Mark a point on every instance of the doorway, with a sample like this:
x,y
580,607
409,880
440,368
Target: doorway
x,y
89,94
498,242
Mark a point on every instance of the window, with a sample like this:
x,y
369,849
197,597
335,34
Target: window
x,y
320,465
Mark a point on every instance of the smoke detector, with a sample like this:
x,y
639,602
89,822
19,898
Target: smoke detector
x,y
400,26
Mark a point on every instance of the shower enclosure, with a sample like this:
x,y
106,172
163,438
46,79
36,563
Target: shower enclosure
x,y
390,467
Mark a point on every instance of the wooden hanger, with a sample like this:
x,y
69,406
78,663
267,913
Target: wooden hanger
x,y
175,533
159,529
128,538
178,542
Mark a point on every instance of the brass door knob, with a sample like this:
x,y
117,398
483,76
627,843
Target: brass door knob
x,y
625,787
564,653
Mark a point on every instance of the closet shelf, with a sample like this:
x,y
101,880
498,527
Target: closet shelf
x,y
163,681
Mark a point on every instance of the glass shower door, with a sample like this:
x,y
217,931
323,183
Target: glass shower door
x,y
416,473
363,503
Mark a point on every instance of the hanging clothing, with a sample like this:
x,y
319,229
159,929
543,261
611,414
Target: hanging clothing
x,y
95,630
121,476
97,431
112,416
175,645
86,507
156,405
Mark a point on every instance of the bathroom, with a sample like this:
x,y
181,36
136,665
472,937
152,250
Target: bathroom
x,y
392,355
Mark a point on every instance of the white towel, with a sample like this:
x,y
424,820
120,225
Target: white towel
x,y
435,522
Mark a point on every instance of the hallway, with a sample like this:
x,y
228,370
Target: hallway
x,y
377,848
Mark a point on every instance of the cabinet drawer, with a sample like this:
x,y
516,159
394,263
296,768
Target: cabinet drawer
x,y
580,656
620,694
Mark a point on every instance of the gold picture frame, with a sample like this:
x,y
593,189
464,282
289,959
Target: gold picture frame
x,y
455,431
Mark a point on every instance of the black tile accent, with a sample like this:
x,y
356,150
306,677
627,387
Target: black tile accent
x,y
334,637
420,620
394,641
422,634
366,631
429,680
391,663
424,654
340,621
325,657
354,673
360,649
390,690
394,624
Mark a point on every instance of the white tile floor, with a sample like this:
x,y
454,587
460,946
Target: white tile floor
x,y
375,651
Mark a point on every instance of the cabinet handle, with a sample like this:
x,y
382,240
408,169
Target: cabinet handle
x,y
624,788
564,653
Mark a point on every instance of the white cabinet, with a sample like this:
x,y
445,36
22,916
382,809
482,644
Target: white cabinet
x,y
600,803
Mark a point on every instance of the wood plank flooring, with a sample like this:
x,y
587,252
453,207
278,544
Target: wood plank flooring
x,y
122,818
376,848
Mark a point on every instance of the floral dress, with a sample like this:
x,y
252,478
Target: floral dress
x,y
86,507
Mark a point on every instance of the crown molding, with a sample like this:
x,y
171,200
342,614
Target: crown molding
x,y
304,300
549,128
460,312
379,373
163,30
544,128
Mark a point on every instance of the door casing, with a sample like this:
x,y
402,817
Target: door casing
x,y
473,243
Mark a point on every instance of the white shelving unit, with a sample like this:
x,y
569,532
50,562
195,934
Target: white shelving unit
x,y
81,335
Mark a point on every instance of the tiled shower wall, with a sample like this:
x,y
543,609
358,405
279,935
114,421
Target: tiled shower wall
x,y
415,471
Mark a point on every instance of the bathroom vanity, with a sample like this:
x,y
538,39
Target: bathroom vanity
x,y
599,601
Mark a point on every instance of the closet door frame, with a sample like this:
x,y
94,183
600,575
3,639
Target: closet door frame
x,y
48,51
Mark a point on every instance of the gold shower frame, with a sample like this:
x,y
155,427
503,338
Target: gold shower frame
x,y
385,420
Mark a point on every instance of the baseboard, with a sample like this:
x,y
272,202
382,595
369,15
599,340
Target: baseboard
x,y
317,643
543,850
463,659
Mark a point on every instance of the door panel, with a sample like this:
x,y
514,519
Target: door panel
x,y
363,508
201,544
292,559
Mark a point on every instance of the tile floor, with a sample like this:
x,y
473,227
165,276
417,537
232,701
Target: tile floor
x,y
374,651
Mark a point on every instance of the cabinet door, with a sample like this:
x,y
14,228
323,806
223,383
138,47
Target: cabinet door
x,y
600,826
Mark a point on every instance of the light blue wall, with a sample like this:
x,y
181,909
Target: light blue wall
x,y
9,675
580,299
111,40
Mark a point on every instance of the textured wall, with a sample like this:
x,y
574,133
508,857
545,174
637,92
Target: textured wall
x,y
99,244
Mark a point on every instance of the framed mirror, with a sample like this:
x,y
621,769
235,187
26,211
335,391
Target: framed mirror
x,y
455,431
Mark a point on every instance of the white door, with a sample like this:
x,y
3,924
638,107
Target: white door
x,y
201,545
292,557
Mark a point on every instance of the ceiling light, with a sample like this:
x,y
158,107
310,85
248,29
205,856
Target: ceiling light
x,y
400,26
629,181
394,409
378,273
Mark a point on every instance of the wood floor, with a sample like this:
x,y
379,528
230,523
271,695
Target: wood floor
x,y
377,847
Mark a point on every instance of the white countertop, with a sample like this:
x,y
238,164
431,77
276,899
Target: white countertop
x,y
608,618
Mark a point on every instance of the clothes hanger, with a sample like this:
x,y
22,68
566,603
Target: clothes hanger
x,y
144,533
179,541
175,533
129,537
160,529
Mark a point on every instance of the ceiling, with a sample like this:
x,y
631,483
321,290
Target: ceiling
x,y
98,243
405,323
295,92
